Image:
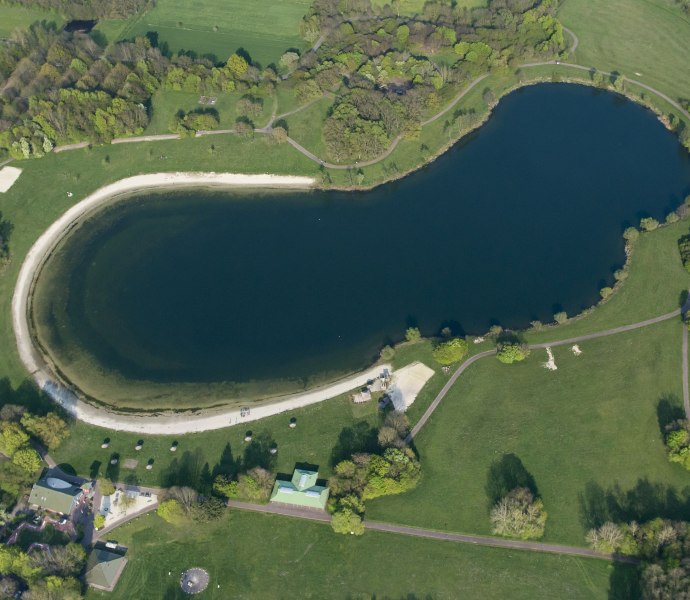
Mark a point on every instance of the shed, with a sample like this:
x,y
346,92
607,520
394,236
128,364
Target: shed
x,y
302,490
103,569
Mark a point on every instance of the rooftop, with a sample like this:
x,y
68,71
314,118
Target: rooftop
x,y
301,490
104,568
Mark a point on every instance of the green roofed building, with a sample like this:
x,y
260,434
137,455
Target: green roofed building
x,y
301,490
55,495
103,569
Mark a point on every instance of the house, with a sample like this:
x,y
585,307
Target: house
x,y
103,569
302,490
57,495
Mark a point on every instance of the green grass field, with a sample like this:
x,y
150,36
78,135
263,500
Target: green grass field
x,y
264,30
266,556
413,7
648,40
18,17
593,422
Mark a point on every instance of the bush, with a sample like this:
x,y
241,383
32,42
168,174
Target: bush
x,y
387,353
605,292
631,234
171,511
519,515
413,334
99,521
346,521
677,440
621,275
649,224
511,352
452,351
106,486
560,317
672,217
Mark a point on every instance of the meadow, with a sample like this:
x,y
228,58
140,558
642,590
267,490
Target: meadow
x,y
19,17
263,30
645,40
267,556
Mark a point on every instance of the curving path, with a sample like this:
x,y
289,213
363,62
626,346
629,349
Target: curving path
x,y
574,340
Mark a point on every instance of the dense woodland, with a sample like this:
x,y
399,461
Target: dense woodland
x,y
388,72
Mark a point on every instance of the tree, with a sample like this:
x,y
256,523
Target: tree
x,y
607,538
237,65
279,135
208,509
387,353
649,224
519,515
225,486
348,522
62,561
98,521
51,430
171,511
106,487
631,234
12,438
560,317
412,334
452,351
605,292
28,459
510,352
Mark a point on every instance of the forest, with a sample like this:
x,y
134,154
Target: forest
x,y
387,73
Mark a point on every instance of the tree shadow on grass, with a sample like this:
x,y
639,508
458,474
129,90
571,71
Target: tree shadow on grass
x,y
506,474
185,471
668,410
361,437
28,396
227,465
644,502
258,453
624,582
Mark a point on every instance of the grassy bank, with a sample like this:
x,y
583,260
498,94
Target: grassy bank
x,y
266,556
587,432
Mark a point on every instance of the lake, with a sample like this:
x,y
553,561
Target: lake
x,y
521,220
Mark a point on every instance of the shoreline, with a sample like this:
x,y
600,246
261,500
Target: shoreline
x,y
159,422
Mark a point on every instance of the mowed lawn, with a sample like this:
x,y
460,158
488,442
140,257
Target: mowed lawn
x,y
647,40
335,428
18,17
267,556
263,29
593,422
413,7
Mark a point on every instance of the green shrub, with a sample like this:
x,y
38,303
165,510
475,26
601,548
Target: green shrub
x,y
560,317
413,334
605,292
631,234
346,521
452,351
511,352
649,224
387,353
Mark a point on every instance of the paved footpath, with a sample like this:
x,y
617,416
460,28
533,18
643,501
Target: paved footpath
x,y
574,340
478,540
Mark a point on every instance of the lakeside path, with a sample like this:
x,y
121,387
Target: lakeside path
x,y
477,540
573,340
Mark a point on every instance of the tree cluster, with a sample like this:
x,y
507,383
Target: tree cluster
x,y
383,62
188,123
254,485
61,87
184,504
664,547
47,573
519,515
365,477
684,249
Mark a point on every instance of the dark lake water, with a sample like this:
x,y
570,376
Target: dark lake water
x,y
519,221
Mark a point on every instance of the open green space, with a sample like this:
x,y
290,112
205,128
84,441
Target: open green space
x,y
413,7
266,556
647,40
19,17
165,104
587,431
325,433
263,29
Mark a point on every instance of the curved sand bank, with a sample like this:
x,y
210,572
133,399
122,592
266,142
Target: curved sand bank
x,y
161,422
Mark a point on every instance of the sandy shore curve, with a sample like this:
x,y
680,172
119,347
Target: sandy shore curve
x,y
162,422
